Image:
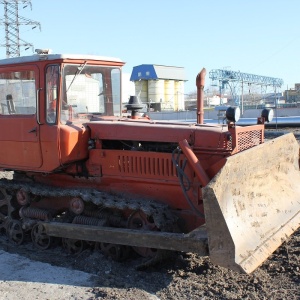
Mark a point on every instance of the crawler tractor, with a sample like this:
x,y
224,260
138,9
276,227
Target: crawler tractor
x,y
85,174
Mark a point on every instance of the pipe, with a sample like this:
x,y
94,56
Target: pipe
x,y
194,162
200,82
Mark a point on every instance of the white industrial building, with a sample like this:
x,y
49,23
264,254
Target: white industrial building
x,y
128,88
160,87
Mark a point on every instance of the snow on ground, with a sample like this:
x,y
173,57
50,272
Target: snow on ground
x,y
21,278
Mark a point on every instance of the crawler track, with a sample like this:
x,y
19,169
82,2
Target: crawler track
x,y
18,219
161,214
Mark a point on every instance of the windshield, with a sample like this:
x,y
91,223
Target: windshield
x,y
88,90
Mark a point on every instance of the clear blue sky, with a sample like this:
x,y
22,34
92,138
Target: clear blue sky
x,y
257,37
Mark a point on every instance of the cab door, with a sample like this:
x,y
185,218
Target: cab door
x,y
49,129
19,129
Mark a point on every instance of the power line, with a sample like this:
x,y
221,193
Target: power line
x,y
12,21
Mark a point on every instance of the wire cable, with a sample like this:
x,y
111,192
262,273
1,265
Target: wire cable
x,y
184,181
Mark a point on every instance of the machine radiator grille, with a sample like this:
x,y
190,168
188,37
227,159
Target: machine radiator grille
x,y
248,139
228,144
150,166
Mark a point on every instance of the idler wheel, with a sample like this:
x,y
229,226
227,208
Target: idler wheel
x,y
139,220
116,252
6,208
22,197
15,233
40,238
73,247
76,205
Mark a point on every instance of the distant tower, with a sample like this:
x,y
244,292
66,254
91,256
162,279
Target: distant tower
x,y
12,21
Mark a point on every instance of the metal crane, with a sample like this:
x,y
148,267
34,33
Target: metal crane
x,y
234,78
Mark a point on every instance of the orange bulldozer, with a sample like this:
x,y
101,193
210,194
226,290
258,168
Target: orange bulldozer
x,y
85,174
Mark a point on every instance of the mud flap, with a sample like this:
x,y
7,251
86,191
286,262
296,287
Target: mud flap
x,y
253,204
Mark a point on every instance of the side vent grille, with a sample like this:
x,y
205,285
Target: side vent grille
x,y
149,166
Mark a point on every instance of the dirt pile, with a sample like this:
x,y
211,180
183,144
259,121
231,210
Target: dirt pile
x,y
182,276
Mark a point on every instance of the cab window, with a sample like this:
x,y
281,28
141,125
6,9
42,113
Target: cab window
x,y
18,93
89,90
52,80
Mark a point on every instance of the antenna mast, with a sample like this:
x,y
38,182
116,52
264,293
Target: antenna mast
x,y
12,21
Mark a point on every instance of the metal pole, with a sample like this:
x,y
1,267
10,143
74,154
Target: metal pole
x,y
242,97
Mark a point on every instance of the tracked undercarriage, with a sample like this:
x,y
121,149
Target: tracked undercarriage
x,y
29,208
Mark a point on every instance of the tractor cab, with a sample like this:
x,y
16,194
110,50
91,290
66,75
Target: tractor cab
x,y
84,90
45,101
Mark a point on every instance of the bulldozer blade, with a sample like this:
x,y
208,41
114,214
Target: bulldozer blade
x,y
253,204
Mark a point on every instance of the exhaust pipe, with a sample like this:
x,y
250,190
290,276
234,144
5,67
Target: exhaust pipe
x,y
200,82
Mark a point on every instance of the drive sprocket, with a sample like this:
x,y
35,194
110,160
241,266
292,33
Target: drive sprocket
x,y
6,208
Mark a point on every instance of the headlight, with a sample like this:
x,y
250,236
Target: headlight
x,y
233,114
268,114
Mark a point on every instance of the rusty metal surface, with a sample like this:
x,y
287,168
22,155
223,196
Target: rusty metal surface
x,y
243,138
194,162
162,216
193,242
253,204
200,83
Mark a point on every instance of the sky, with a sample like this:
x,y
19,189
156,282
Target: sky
x,y
256,37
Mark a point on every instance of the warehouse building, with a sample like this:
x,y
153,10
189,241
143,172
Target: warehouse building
x,y
160,88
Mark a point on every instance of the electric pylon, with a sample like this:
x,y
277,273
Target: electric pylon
x,y
12,21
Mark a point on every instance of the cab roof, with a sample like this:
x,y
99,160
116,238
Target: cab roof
x,y
42,57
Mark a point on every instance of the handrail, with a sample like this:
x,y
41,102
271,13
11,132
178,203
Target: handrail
x,y
38,106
